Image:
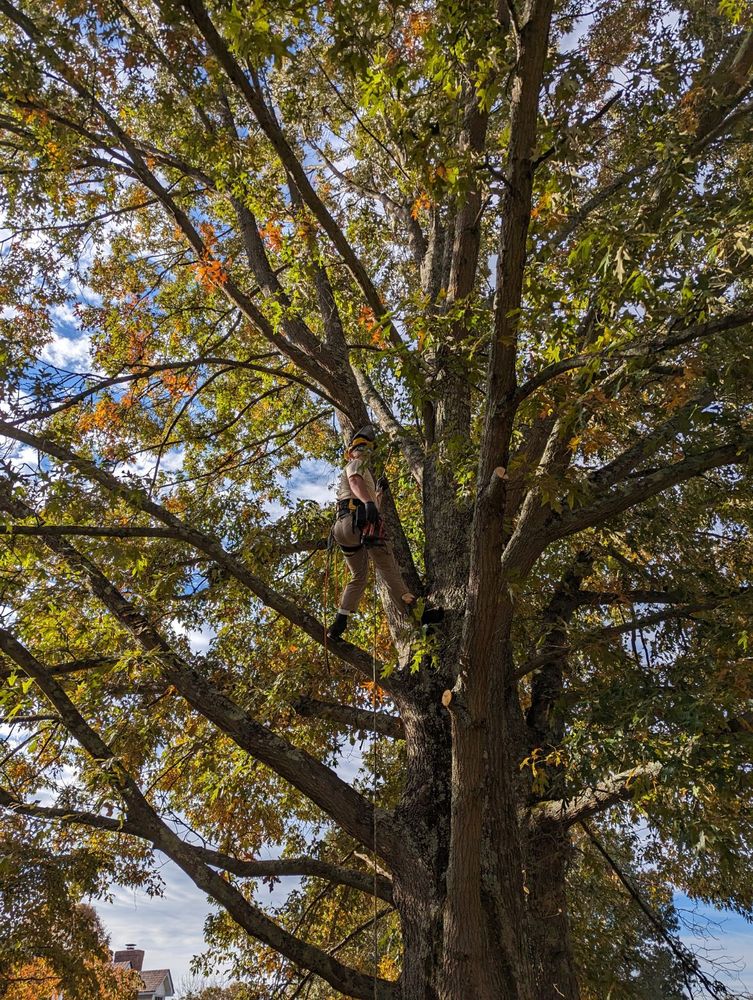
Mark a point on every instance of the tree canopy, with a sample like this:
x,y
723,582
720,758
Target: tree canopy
x,y
518,239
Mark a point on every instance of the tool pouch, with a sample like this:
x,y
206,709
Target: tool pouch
x,y
374,534
359,516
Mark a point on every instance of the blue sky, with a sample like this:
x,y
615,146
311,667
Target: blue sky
x,y
723,937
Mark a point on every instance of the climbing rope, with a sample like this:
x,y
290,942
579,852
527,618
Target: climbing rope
x,y
375,746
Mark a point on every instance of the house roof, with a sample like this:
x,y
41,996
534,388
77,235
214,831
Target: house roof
x,y
154,978
122,965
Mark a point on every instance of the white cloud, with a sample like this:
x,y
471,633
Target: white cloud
x,y
84,292
198,639
313,481
71,353
64,314
143,465
25,459
275,510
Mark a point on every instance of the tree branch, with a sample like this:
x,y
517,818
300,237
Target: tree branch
x,y
394,431
681,608
71,666
300,868
648,444
244,868
397,212
124,531
650,350
315,780
616,788
354,718
689,962
646,486
290,162
150,827
546,687
87,530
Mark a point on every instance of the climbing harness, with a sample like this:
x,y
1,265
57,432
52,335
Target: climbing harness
x,y
371,532
349,507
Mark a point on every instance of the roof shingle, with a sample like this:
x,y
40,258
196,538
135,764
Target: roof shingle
x,y
153,979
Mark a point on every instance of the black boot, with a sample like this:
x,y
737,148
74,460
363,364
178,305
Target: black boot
x,y
338,626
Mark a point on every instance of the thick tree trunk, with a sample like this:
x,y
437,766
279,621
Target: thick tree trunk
x,y
489,923
548,856
464,935
507,948
425,810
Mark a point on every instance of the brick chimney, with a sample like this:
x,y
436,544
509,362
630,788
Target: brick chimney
x,y
130,954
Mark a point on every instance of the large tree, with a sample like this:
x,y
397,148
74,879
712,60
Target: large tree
x,y
518,239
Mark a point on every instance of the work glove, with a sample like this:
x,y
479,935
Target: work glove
x,y
382,484
372,513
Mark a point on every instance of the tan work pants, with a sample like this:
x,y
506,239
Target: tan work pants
x,y
358,564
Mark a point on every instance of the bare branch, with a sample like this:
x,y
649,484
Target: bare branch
x,y
688,960
563,140
680,607
647,349
400,214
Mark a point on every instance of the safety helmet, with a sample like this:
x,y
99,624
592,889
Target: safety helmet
x,y
364,437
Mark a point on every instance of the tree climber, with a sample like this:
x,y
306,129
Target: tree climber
x,y
359,531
